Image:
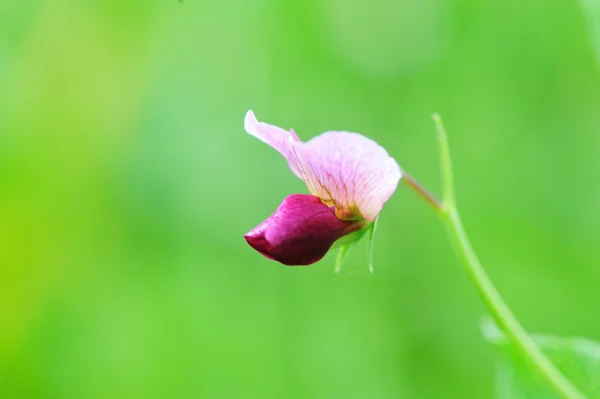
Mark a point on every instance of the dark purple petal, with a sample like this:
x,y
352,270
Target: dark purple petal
x,y
300,232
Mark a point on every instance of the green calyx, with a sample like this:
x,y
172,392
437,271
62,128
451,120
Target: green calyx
x,y
348,241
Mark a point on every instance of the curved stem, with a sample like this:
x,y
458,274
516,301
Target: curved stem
x,y
502,314
492,299
419,189
490,296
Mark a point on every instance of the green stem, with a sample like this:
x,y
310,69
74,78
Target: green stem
x,y
490,296
502,314
419,189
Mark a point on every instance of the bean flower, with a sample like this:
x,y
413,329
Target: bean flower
x,y
349,177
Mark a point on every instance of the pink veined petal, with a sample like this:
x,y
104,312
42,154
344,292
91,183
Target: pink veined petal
x,y
344,169
351,172
286,142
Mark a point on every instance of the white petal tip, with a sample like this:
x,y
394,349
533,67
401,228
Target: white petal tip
x,y
250,122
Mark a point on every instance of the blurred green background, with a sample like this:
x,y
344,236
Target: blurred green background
x,y
127,183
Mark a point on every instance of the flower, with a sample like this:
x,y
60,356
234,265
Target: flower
x,y
350,178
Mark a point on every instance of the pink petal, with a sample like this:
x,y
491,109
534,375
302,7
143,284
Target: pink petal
x,y
351,172
345,170
300,232
284,141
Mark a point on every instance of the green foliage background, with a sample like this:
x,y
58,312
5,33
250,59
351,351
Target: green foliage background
x,y
127,182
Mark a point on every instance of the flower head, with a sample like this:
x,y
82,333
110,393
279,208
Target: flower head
x,y
349,176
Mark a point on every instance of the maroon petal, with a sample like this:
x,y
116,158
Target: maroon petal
x,y
300,232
